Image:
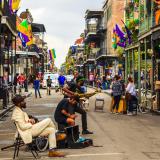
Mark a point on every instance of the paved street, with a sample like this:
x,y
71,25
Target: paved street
x,y
119,137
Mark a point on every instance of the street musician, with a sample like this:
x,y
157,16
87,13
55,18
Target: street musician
x,y
74,89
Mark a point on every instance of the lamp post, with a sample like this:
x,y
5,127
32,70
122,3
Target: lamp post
x,y
26,81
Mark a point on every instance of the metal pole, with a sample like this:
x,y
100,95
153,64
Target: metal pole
x,y
126,66
145,51
26,82
8,57
129,63
15,56
0,51
12,73
153,67
139,71
133,63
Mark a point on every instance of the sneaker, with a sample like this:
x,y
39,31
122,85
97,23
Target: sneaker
x,y
130,114
86,132
54,153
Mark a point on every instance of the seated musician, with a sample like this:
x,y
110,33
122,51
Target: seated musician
x,y
71,89
64,114
27,127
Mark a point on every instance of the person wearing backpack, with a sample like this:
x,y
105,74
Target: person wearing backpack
x,y
116,92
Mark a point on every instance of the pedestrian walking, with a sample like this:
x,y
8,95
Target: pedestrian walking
x,y
116,92
49,83
61,81
36,85
130,96
91,79
15,82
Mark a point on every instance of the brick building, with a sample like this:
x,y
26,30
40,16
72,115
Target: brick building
x,y
113,14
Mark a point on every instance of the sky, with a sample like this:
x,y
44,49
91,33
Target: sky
x,y
63,20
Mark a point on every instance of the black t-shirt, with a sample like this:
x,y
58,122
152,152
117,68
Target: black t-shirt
x,y
63,105
49,82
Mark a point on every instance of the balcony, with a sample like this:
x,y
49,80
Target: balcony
x,y
93,20
91,29
8,18
91,57
101,54
79,62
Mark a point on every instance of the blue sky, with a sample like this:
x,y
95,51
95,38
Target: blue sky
x,y
63,19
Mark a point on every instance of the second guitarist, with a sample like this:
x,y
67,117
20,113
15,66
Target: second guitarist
x,y
74,88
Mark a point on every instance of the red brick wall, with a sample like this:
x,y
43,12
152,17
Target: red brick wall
x,y
116,17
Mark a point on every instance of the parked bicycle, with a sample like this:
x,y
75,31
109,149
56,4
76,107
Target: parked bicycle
x,y
145,106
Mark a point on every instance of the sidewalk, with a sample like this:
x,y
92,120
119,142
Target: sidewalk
x,y
11,106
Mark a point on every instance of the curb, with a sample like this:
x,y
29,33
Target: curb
x,y
10,107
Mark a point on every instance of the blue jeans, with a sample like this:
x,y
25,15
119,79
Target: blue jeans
x,y
37,90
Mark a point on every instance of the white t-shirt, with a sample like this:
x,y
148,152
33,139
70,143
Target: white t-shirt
x,y
131,89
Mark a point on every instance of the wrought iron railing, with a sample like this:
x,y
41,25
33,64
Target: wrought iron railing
x,y
101,52
91,56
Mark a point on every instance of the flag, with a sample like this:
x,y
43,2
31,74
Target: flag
x,y
52,54
30,35
24,24
26,29
14,5
73,49
24,38
23,27
128,33
119,38
79,41
120,34
114,40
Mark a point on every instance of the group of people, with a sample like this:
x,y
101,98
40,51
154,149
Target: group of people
x,y
37,81
64,116
102,82
119,89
